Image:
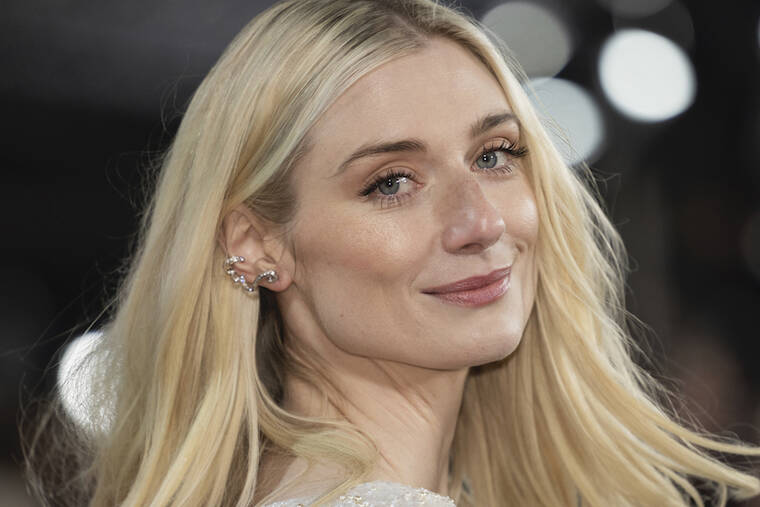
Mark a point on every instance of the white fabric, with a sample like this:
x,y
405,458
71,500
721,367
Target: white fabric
x,y
378,494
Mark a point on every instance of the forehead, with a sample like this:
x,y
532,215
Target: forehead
x,y
437,91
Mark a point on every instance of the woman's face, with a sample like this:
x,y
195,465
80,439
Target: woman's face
x,y
370,238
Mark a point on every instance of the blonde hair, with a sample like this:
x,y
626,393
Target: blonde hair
x,y
194,369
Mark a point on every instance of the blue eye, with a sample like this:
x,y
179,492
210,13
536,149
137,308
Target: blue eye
x,y
387,184
489,156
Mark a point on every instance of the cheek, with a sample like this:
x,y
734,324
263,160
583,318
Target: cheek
x,y
520,214
354,244
350,261
355,273
521,217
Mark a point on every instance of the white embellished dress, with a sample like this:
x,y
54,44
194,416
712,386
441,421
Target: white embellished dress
x,y
378,494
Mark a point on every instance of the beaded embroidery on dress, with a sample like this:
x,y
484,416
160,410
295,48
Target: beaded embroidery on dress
x,y
378,494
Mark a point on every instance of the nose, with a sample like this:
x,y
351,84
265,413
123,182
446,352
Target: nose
x,y
472,223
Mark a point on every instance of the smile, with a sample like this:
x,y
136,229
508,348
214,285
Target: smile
x,y
478,296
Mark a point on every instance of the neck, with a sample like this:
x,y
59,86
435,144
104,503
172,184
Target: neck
x,y
410,412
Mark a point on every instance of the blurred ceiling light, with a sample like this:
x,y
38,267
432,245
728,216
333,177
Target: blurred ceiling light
x,y
536,36
646,76
633,8
566,106
75,381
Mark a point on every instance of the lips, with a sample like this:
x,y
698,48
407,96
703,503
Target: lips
x,y
471,283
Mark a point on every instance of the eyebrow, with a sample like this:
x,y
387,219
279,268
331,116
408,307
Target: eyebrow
x,y
478,128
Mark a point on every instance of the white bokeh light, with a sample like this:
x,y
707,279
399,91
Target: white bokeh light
x,y
576,114
646,76
536,36
75,373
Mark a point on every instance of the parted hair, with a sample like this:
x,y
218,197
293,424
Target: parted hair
x,y
187,378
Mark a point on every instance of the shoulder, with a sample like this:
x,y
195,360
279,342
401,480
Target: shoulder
x,y
378,494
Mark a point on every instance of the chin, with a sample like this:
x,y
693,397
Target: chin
x,y
471,355
500,348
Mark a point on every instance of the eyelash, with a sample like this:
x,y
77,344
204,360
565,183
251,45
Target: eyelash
x,y
393,174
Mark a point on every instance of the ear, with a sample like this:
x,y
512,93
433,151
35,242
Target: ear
x,y
245,235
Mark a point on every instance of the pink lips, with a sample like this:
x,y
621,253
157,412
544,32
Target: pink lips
x,y
474,291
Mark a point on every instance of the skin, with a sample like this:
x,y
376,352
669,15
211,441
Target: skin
x,y
353,272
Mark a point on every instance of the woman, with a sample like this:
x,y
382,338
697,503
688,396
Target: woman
x,y
431,305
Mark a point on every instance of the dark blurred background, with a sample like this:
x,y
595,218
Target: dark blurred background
x,y
660,97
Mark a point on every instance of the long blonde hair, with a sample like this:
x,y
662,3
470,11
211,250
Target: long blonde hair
x,y
192,370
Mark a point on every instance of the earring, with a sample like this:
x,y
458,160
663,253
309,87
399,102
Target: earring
x,y
270,276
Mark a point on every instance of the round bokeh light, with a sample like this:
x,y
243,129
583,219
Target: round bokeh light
x,y
572,116
75,373
646,76
536,36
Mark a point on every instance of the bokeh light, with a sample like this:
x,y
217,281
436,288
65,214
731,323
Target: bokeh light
x,y
569,108
536,36
646,76
634,8
75,382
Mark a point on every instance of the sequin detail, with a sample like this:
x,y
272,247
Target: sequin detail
x,y
378,494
